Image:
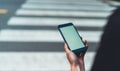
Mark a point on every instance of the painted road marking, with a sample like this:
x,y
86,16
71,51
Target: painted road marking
x,y
43,36
3,11
33,21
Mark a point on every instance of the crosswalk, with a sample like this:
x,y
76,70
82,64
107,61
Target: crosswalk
x,y
32,42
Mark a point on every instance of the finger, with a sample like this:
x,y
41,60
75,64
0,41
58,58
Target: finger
x,y
83,53
86,43
66,48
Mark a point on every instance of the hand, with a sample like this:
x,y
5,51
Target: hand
x,y
76,62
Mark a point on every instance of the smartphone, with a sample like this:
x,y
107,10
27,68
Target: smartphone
x,y
72,38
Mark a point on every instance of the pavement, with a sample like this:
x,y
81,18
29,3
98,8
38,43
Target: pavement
x,y
29,38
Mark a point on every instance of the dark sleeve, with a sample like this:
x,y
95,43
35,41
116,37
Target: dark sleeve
x,y
108,55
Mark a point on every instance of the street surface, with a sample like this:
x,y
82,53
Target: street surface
x,y
29,38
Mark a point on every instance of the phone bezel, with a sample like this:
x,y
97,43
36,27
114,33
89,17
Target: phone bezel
x,y
76,51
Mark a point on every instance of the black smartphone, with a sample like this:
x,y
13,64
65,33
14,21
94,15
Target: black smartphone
x,y
72,38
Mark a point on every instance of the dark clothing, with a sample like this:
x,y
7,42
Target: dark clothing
x,y
108,55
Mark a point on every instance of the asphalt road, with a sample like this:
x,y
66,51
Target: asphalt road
x,y
7,9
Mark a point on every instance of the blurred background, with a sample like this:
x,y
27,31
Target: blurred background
x,y
29,38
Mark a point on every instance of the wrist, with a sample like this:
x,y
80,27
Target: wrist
x,y
75,64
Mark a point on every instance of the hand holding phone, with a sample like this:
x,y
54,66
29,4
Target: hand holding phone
x,y
72,38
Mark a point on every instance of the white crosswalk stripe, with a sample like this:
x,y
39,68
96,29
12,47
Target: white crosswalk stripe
x,y
62,7
28,21
50,13
37,35
62,13
66,3
38,61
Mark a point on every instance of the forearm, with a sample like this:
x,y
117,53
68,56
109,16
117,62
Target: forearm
x,y
82,64
75,68
78,66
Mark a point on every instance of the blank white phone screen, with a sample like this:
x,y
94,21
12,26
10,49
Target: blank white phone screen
x,y
72,37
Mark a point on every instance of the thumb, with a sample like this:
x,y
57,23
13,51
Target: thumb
x,y
66,48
